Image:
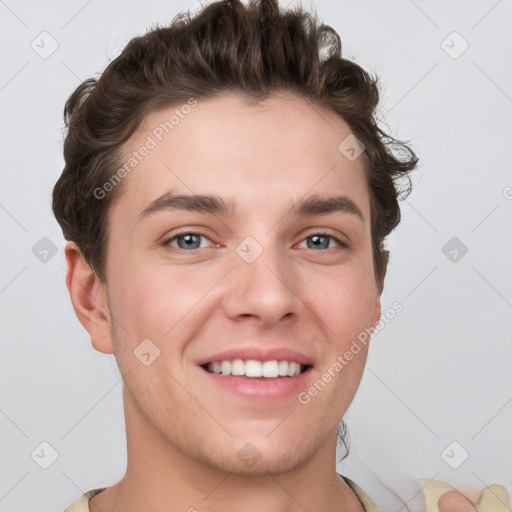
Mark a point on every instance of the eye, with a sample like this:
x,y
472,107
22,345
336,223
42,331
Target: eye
x,y
322,241
186,241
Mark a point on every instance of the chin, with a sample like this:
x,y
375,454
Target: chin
x,y
259,458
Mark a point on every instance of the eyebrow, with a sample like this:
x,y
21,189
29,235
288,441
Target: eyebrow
x,y
312,205
319,205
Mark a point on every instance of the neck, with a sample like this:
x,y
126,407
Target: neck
x,y
161,478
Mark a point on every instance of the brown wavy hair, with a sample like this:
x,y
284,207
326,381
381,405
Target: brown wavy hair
x,y
253,50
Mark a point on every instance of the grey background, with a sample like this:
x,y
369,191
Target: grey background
x,y
438,373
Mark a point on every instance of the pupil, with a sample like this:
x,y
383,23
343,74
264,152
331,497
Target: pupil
x,y
191,241
317,238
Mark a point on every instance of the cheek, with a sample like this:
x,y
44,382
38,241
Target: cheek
x,y
141,301
154,300
344,306
344,302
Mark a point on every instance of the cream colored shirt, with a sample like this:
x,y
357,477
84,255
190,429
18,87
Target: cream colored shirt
x,y
493,498
82,504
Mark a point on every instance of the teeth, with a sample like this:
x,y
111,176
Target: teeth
x,y
282,368
253,368
292,368
225,367
270,369
237,367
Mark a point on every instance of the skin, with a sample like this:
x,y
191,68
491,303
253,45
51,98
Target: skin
x,y
454,501
183,433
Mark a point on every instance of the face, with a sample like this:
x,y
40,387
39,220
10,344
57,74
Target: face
x,y
268,268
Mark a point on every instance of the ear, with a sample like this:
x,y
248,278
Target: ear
x,y
89,298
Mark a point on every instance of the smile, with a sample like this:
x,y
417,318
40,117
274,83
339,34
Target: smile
x,y
253,368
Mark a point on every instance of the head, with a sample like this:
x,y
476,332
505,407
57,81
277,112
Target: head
x,y
256,110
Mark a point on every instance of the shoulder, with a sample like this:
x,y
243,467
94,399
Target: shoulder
x,y
368,504
82,503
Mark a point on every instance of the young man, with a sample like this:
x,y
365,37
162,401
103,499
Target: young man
x,y
226,196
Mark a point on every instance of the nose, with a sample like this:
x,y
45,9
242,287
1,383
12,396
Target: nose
x,y
262,290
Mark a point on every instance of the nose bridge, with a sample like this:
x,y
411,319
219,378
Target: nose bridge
x,y
259,283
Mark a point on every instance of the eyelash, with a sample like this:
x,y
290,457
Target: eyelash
x,y
167,242
342,245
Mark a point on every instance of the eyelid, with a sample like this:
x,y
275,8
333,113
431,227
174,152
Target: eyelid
x,y
314,232
327,233
168,239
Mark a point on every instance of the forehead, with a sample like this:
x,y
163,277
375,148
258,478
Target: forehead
x,y
282,146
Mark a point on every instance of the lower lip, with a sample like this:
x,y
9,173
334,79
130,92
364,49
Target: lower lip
x,y
261,388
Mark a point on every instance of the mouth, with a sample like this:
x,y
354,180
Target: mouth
x,y
255,369
259,373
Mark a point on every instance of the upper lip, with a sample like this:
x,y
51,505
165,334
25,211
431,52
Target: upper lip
x,y
258,354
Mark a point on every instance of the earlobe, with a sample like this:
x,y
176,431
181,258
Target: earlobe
x,y
89,299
